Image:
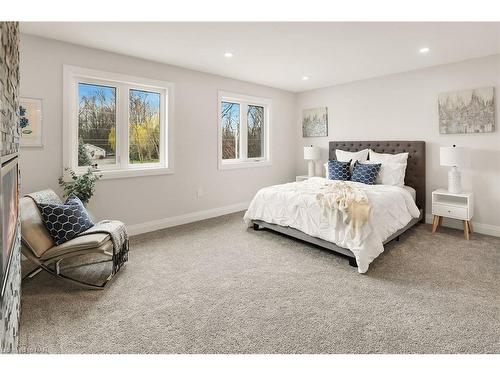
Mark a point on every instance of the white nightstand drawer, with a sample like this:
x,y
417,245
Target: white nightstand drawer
x,y
454,212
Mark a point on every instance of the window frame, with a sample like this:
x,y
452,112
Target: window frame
x,y
244,101
122,83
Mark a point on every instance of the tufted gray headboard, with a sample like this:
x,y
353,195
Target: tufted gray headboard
x,y
415,170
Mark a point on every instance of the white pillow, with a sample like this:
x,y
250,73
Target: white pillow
x,y
393,169
360,156
389,158
392,174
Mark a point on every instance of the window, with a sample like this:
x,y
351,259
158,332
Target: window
x,y
96,125
118,123
230,117
144,127
255,127
243,131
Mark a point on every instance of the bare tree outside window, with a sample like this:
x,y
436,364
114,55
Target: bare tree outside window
x,y
255,125
230,122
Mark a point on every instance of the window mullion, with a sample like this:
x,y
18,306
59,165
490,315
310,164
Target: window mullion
x,y
123,126
244,131
74,125
163,129
265,135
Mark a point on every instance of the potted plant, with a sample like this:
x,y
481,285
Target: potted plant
x,y
82,186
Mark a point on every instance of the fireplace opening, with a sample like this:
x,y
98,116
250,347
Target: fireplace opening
x,y
9,201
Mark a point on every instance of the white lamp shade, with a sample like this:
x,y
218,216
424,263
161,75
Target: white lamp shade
x,y
455,157
311,153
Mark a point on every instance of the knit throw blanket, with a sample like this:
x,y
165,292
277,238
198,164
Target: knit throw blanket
x,y
114,228
119,236
339,200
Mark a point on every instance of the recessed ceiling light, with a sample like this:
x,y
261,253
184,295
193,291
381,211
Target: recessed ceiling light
x,y
228,54
424,50
305,78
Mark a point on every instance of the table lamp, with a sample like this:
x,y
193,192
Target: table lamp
x,y
455,157
311,153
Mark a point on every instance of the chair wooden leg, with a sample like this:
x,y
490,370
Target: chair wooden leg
x,y
466,229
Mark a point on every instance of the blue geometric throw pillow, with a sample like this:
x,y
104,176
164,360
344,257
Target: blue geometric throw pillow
x,y
339,170
365,173
65,221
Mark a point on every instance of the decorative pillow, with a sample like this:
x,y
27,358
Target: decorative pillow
x,y
361,156
65,221
339,170
393,168
365,173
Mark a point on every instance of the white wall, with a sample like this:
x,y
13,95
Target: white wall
x,y
145,199
404,107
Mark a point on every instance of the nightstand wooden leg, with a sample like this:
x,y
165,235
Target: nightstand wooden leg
x,y
469,223
466,229
435,223
440,222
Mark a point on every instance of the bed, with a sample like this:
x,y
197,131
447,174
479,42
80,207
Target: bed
x,y
290,209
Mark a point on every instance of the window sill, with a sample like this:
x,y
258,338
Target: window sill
x,y
244,164
132,172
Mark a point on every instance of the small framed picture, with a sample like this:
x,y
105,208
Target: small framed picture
x,y
30,122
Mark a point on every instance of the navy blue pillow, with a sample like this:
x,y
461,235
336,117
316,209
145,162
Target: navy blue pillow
x,y
339,170
365,173
65,221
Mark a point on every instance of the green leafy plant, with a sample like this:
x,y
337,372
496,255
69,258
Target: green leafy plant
x,y
82,186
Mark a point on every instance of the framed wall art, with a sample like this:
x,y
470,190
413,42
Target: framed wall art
x,y
467,111
315,122
30,122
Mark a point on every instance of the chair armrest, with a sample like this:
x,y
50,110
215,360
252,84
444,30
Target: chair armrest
x,y
87,241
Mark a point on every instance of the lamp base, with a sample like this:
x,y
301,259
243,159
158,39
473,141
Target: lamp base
x,y
310,168
454,181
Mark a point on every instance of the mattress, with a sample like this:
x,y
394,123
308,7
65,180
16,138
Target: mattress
x,y
295,205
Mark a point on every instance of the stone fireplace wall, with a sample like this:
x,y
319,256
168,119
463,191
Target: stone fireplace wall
x,y
9,143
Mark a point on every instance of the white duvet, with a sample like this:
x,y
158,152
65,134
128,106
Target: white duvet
x,y
295,205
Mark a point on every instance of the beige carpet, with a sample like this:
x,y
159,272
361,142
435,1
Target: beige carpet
x,y
217,287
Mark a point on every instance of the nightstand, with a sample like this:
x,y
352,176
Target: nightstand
x,y
301,178
453,206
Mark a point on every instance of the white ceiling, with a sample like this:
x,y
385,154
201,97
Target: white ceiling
x,y
280,54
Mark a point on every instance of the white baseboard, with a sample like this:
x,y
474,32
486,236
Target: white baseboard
x,y
492,230
191,217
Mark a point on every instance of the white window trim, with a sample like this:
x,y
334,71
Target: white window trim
x,y
264,161
71,76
